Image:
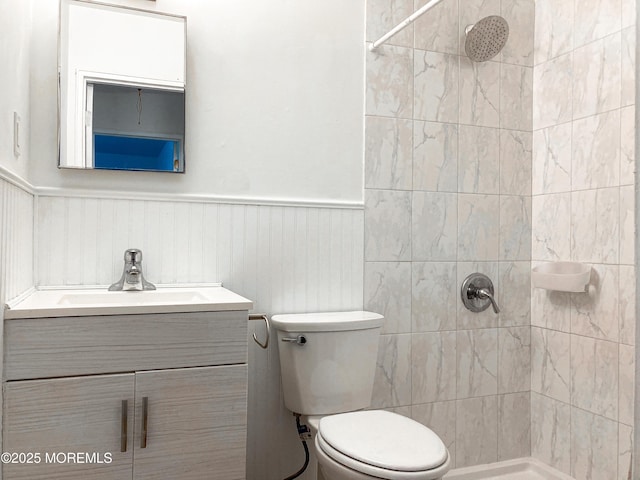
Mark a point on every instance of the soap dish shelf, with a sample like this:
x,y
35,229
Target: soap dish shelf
x,y
561,276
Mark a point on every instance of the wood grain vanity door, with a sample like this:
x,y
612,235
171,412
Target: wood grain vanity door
x,y
196,423
72,423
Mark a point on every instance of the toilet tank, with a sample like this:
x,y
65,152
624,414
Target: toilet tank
x,y
331,369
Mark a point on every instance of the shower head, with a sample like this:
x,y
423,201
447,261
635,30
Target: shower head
x,y
486,38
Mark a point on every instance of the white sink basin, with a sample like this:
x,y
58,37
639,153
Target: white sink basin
x,y
74,303
163,297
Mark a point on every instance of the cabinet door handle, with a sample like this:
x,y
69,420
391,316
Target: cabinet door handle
x,y
145,416
123,427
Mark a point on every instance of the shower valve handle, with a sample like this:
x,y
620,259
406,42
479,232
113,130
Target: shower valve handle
x,y
477,293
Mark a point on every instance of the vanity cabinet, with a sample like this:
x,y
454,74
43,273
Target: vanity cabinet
x,y
164,396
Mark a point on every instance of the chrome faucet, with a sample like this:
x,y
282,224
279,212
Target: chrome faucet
x,y
132,278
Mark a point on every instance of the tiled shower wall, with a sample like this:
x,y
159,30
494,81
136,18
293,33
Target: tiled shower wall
x,y
582,374
448,193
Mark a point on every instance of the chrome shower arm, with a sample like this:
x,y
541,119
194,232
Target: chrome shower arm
x,y
405,23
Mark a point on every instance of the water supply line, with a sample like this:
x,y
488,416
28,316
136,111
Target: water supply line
x,y
304,433
405,23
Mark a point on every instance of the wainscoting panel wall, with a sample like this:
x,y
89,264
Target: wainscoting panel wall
x,y
285,259
16,240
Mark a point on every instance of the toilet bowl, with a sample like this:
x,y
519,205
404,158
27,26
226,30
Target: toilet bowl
x,y
376,444
328,363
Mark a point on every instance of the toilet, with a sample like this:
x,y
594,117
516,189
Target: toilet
x,y
328,362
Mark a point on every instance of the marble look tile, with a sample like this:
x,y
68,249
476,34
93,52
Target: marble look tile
x,y
433,367
596,73
514,426
514,359
626,384
552,160
437,31
470,320
479,160
628,13
595,225
388,153
479,93
477,362
627,225
476,431
434,226
595,19
551,215
596,151
383,15
627,145
392,382
553,29
436,86
625,448
520,15
628,66
441,418
404,411
514,296
551,432
515,162
627,305
387,225
389,82
595,313
551,309
478,227
594,376
515,228
551,363
435,156
516,97
552,95
386,291
434,296
594,441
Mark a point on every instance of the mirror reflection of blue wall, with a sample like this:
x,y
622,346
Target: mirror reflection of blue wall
x,y
117,152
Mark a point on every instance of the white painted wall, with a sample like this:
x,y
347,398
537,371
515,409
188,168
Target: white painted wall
x,y
15,31
275,94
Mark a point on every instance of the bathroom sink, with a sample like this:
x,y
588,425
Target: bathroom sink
x,y
93,301
167,296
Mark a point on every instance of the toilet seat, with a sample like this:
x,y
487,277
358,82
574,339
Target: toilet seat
x,y
383,444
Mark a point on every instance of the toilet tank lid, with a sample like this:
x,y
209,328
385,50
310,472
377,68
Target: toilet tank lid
x,y
327,321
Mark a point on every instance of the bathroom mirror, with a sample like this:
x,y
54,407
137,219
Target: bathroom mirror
x,y
121,87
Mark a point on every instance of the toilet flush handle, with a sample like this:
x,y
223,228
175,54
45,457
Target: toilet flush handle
x,y
300,339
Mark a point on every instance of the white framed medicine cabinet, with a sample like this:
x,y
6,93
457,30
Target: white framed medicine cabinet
x,y
121,81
